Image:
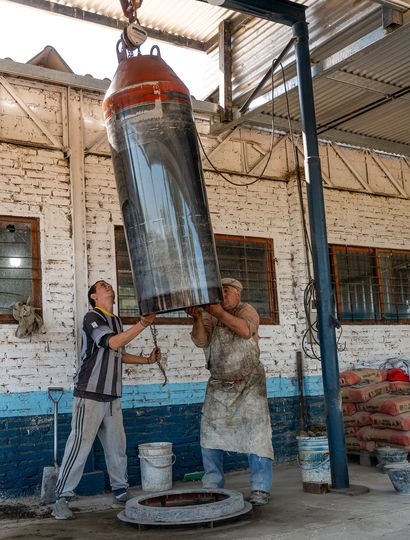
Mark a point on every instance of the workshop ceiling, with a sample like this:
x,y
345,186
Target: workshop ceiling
x,y
360,66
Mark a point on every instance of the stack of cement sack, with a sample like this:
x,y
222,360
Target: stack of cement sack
x,y
376,411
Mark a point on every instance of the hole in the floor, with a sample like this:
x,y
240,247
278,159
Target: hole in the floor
x,y
183,499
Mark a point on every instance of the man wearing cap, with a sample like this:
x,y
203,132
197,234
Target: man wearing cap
x,y
235,415
97,392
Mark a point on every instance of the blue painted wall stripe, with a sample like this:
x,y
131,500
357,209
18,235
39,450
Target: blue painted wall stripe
x,y
147,395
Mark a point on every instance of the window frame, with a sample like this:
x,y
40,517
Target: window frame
x,y
36,264
271,272
334,249
272,283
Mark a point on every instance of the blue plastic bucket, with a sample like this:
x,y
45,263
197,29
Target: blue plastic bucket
x,y
314,459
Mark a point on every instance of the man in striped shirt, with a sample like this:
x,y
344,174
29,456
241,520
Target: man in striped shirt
x,y
97,393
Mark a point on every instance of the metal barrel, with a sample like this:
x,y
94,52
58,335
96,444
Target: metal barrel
x,y
153,140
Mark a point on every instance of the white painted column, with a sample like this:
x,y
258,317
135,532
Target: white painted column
x,y
77,179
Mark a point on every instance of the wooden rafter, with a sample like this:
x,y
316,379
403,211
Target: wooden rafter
x,y
31,114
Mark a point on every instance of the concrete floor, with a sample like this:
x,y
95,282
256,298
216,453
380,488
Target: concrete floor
x,y
290,515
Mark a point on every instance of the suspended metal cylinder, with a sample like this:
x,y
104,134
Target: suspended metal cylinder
x,y
161,189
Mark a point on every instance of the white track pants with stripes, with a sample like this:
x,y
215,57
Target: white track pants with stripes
x,y
92,418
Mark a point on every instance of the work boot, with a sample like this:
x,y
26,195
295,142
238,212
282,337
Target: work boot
x,y
259,498
119,497
61,509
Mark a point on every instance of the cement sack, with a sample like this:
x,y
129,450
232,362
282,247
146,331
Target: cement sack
x,y
386,435
399,387
393,404
358,419
351,430
363,392
355,376
352,443
349,409
400,421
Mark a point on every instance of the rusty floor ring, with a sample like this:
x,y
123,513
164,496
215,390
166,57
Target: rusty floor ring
x,y
185,507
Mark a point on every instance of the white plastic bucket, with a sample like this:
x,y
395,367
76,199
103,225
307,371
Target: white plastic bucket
x,y
314,459
156,460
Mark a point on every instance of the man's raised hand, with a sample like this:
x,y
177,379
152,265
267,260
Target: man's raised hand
x,y
214,309
194,312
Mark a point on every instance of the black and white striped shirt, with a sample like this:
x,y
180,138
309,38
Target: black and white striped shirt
x,y
100,373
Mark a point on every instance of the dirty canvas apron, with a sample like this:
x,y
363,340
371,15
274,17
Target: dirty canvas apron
x,y
235,415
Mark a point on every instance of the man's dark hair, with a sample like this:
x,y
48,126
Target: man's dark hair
x,y
91,291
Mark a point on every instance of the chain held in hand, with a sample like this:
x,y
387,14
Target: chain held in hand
x,y
154,333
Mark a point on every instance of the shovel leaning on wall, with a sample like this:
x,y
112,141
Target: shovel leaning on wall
x,y
50,474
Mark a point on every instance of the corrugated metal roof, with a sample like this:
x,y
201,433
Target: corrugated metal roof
x,y
331,23
188,18
195,20
367,95
388,62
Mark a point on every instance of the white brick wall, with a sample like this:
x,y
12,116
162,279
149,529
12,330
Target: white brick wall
x,y
369,220
36,182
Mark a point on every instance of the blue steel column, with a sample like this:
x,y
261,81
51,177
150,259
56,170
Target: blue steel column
x,y
321,264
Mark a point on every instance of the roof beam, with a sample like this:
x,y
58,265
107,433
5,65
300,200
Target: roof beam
x,y
401,5
279,11
237,22
88,16
225,70
362,110
339,136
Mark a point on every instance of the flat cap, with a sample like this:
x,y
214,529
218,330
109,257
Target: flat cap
x,y
231,282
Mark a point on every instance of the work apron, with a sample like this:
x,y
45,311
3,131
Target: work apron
x,y
235,415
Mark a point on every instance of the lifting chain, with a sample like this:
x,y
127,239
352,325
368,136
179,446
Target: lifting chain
x,y
154,333
130,7
133,35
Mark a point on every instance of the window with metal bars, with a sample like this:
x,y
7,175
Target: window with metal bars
x,y
248,259
371,285
20,268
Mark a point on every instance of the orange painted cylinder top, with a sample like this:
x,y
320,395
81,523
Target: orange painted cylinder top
x,y
143,79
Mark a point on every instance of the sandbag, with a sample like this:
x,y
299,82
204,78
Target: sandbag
x,y
400,421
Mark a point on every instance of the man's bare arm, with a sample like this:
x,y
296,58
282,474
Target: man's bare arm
x,y
200,334
236,324
120,340
155,356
